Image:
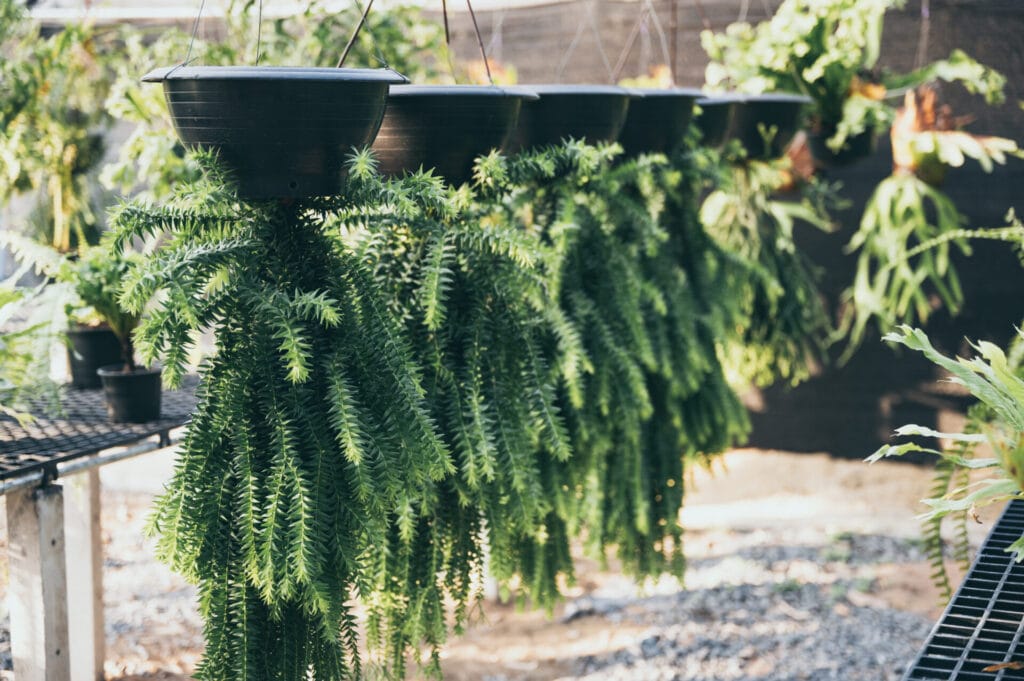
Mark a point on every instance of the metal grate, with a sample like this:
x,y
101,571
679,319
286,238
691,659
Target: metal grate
x,y
80,428
984,623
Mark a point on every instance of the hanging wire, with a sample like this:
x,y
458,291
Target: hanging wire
x,y
355,34
596,31
259,31
648,12
699,6
195,29
480,42
922,38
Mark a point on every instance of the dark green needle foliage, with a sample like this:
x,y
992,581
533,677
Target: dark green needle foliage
x,y
472,292
652,390
312,454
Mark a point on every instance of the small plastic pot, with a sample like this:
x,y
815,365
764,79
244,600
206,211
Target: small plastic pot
x,y
595,113
856,148
445,127
281,131
132,397
657,120
89,348
715,118
777,115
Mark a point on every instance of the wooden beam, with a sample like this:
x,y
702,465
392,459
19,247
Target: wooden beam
x,y
38,593
84,549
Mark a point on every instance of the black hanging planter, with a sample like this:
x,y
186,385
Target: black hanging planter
x,y
856,148
715,118
89,348
445,127
132,396
282,131
657,120
595,113
777,115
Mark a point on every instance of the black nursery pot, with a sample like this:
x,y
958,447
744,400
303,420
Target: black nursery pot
x,y
657,120
132,397
281,131
90,348
445,127
595,113
856,148
714,119
754,113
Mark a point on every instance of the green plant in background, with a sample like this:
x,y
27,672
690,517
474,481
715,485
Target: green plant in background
x,y
51,126
24,351
910,227
782,326
829,50
96,279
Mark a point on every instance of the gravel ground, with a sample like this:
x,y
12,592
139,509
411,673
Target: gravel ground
x,y
770,612
777,589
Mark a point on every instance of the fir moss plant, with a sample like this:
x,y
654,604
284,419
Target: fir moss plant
x,y
311,451
652,394
472,290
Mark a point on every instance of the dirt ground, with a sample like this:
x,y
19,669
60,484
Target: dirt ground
x,y
154,632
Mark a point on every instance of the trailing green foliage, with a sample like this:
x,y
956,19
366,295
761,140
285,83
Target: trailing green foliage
x,y
630,280
781,325
312,457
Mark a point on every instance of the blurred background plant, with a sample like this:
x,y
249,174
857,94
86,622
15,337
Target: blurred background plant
x,y
829,51
52,126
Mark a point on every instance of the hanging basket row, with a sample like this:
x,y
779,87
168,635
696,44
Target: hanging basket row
x,y
284,131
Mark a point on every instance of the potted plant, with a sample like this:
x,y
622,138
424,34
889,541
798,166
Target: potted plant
x,y
281,131
828,50
445,127
595,113
132,392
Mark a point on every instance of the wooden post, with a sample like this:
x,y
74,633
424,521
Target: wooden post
x,y
38,584
84,549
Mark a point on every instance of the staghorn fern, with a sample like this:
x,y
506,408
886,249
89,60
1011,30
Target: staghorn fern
x,y
998,422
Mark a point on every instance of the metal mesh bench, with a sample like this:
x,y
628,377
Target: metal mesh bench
x,y
982,627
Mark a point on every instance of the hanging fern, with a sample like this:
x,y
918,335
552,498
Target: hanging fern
x,y
652,389
312,458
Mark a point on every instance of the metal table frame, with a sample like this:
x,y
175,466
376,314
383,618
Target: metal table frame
x,y
55,544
